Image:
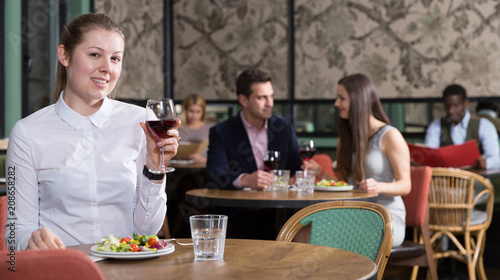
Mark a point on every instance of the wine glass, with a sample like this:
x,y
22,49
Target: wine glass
x,y
272,160
160,117
307,149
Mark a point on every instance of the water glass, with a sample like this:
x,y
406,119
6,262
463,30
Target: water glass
x,y
281,180
209,236
305,181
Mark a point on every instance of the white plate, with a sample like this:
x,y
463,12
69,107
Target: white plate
x,y
133,255
334,188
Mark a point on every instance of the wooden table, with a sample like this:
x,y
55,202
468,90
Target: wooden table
x,y
281,201
195,167
267,199
245,259
487,173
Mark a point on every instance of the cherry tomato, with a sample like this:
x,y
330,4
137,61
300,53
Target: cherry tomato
x,y
152,241
134,247
127,240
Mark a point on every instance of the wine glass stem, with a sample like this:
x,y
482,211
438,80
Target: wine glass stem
x,y
162,162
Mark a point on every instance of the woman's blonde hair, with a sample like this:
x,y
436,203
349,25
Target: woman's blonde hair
x,y
193,99
73,35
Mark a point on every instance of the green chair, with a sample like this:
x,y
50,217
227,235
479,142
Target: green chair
x,y
360,227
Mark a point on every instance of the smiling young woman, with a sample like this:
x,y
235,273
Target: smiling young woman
x,y
80,161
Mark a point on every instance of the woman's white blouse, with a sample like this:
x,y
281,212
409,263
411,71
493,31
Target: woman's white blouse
x,y
81,177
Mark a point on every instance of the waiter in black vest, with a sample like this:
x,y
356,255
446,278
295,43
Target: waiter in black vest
x,y
458,126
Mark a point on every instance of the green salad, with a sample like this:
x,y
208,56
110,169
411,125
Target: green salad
x,y
136,243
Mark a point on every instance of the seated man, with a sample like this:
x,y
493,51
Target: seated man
x,y
237,147
459,126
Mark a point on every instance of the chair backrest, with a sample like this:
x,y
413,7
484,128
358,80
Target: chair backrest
x,y
3,220
325,161
360,227
416,201
452,198
51,264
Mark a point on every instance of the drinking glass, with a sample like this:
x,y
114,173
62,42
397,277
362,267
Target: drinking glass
x,y
307,149
305,181
281,180
160,117
272,160
209,236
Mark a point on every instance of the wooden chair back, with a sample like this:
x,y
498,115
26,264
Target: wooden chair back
x,y
453,196
360,227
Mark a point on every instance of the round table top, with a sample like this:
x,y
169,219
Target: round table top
x,y
268,199
488,173
195,167
245,259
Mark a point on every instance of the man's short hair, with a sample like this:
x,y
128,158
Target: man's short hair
x,y
455,89
249,77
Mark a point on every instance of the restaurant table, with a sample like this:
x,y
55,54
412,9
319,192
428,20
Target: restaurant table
x,y
281,201
487,173
269,199
195,167
244,259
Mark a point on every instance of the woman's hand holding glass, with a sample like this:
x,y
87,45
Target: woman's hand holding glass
x,y
162,145
153,145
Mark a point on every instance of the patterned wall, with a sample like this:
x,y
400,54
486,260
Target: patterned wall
x,y
409,48
215,40
142,23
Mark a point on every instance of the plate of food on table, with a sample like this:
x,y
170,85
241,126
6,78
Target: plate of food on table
x,y
332,186
135,247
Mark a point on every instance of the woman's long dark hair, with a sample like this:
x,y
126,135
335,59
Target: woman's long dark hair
x,y
354,133
73,35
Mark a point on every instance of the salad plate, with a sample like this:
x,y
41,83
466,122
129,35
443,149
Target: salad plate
x,y
334,188
132,255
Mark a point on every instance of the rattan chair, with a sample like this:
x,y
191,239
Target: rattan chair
x,y
360,227
452,199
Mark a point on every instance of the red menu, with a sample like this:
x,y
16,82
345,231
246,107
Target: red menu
x,y
456,156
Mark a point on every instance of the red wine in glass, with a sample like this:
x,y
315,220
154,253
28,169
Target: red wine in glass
x,y
307,149
272,160
160,117
160,127
271,164
307,155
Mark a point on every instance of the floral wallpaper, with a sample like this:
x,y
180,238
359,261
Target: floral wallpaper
x,y
408,48
215,40
142,24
